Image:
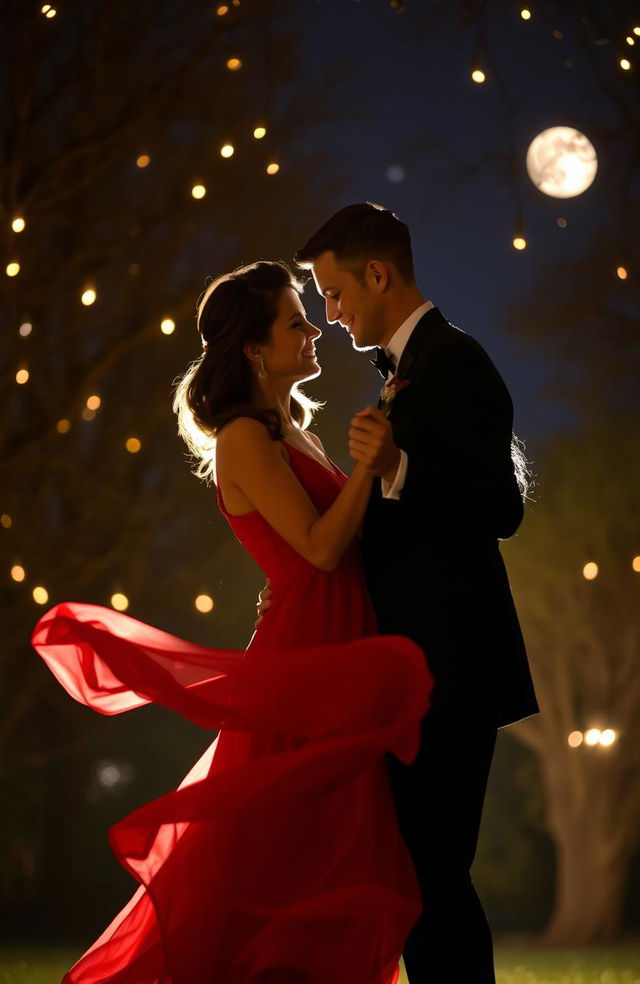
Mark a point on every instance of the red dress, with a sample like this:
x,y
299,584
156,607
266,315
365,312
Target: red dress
x,y
280,848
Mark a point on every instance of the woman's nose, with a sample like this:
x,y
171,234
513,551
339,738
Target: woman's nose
x,y
313,331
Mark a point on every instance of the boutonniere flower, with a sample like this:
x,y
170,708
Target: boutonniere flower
x,y
389,391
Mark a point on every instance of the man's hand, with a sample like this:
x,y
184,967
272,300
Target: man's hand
x,y
371,442
264,600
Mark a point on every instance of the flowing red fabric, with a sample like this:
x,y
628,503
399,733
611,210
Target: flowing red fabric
x,y
279,852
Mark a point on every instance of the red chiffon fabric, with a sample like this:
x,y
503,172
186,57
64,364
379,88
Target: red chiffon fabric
x,y
280,848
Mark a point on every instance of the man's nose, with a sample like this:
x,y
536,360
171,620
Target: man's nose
x,y
333,310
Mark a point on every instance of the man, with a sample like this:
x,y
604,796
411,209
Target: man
x,y
442,447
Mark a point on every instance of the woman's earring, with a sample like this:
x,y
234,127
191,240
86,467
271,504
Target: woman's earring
x,y
262,372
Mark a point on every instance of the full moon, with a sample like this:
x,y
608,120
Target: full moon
x,y
562,162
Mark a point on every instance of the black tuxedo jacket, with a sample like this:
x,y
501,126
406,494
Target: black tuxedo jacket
x,y
432,558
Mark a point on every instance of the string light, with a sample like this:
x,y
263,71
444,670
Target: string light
x,y
88,296
22,376
592,736
168,326
519,243
25,329
40,595
625,64
13,269
478,76
635,564
630,40
260,132
227,150
18,572
562,222
607,737
133,445
88,414
234,64
222,10
6,521
525,13
63,426
204,603
198,191
18,224
94,402
143,161
575,739
590,571
48,11
622,273
119,601
273,168
636,31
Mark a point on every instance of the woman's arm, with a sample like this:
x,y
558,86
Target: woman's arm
x,y
248,457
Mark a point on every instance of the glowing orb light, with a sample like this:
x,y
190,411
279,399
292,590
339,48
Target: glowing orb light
x,y
562,162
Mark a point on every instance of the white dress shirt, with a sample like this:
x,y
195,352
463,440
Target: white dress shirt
x,y
394,350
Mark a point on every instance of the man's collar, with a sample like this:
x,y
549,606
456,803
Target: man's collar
x,y
396,346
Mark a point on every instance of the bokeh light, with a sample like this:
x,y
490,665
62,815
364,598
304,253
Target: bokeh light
x,y
22,376
198,191
88,296
204,603
143,160
574,740
18,224
260,132
590,571
592,736
273,168
13,269
18,572
119,601
227,150
478,75
40,595
167,326
93,402
133,445
63,426
562,162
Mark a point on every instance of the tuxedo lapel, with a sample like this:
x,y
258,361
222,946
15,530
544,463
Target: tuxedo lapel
x,y
419,337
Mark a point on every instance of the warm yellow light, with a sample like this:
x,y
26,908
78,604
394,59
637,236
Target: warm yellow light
x,y
198,191
143,160
13,269
48,11
478,75
233,64
22,376
260,132
25,329
227,150
519,243
608,737
18,573
622,272
88,296
45,8
625,64
40,595
562,222
94,402
525,14
592,736
18,224
575,739
222,10
590,571
204,603
636,31
562,162
133,445
630,40
273,168
167,326
635,563
88,414
6,520
119,601
63,426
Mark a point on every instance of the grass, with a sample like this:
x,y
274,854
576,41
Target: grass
x,y
597,965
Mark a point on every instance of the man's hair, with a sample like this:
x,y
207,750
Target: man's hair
x,y
359,233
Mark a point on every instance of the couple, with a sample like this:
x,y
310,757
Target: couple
x,y
332,823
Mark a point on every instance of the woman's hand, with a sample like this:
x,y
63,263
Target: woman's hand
x,y
264,601
371,442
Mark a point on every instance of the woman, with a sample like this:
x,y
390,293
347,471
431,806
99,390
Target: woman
x,y
278,858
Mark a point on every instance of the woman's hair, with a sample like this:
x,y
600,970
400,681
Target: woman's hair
x,y
237,309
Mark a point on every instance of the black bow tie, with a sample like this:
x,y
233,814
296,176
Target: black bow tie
x,y
383,363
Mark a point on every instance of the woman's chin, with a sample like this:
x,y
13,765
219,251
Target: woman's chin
x,y
311,372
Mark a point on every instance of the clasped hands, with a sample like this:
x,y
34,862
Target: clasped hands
x,y
371,443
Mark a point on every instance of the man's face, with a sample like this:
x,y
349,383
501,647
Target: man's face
x,y
355,304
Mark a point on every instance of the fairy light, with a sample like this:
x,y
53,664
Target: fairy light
x,y
635,564
13,269
260,132
592,736
18,572
562,222
119,601
198,191
88,414
133,445
478,76
622,273
48,11
22,376
273,168
630,40
525,13
204,603
590,571
222,10
234,64
40,595
25,329
93,402
18,224
6,521
143,160
625,64
167,326
607,737
227,150
636,31
88,296
574,740
519,243
63,426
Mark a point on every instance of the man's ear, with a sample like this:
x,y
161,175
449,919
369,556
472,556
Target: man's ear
x,y
377,275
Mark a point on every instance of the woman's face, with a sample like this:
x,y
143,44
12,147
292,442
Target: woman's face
x,y
290,352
